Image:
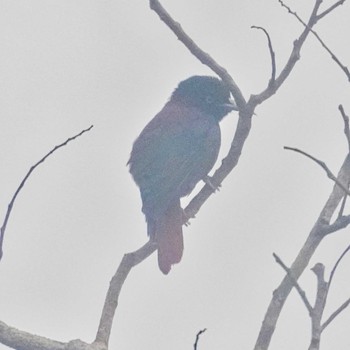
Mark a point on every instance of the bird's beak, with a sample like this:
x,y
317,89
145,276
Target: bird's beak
x,y
231,105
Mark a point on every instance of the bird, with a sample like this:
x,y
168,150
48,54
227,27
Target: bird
x,y
176,150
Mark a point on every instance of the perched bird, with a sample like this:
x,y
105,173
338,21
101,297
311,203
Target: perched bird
x,y
176,150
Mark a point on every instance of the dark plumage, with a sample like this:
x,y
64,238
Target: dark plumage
x,y
176,150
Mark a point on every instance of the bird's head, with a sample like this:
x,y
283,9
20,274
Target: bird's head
x,y
209,94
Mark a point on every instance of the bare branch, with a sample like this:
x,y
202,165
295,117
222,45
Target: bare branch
x,y
337,263
295,14
197,338
307,26
342,206
302,260
333,56
322,165
347,302
20,340
128,262
12,202
272,55
346,124
335,314
318,309
300,291
340,223
331,8
254,100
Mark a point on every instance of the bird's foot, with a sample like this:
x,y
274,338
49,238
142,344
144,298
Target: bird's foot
x,y
186,218
207,181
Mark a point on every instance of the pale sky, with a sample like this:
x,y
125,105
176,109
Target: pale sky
x,y
65,65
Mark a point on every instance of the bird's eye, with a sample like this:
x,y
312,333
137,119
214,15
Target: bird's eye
x,y
209,99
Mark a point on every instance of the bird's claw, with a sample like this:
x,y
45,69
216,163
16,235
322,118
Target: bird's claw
x,y
186,218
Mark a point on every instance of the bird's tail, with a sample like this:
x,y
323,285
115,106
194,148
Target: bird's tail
x,y
168,235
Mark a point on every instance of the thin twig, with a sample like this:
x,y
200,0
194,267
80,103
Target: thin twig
x,y
317,18
330,9
346,303
272,55
347,135
323,166
197,338
346,124
335,314
10,206
333,56
337,263
300,291
295,14
294,57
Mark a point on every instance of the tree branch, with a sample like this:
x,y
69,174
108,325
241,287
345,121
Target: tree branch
x,y
197,338
340,223
346,125
330,9
318,17
347,302
128,262
12,202
300,291
333,56
336,313
271,89
342,207
331,276
272,55
323,166
301,261
318,309
21,340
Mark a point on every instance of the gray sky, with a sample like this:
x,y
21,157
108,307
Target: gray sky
x,y
68,64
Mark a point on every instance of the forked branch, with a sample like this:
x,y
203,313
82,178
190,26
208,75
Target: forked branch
x,y
318,17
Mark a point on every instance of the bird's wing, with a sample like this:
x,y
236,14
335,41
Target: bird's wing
x,y
174,151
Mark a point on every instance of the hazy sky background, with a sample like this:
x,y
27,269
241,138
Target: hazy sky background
x,y
65,65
